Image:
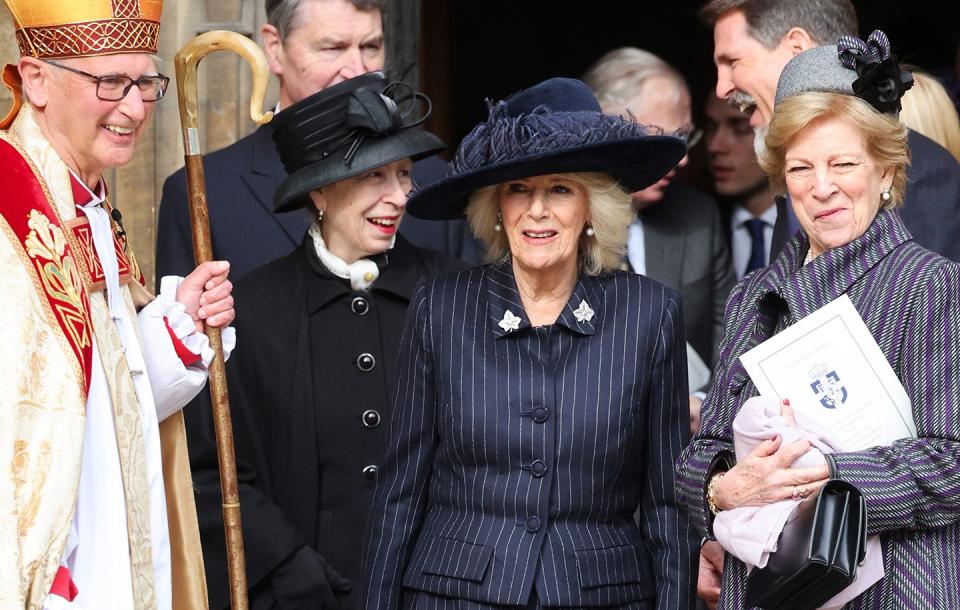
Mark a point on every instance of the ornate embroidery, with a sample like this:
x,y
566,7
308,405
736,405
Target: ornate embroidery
x,y
91,38
87,254
131,261
126,8
46,245
27,476
59,291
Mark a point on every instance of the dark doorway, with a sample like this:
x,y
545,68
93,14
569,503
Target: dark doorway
x,y
471,51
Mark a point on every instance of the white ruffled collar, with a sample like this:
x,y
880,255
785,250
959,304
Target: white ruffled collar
x,y
362,274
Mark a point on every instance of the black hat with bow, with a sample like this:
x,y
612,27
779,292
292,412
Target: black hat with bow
x,y
345,130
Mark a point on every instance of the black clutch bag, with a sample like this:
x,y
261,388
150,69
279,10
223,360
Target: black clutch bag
x,y
817,555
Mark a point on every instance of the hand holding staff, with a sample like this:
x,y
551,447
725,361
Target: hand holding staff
x,y
186,62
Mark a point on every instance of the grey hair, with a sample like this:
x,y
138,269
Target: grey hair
x,y
618,76
768,21
610,214
282,14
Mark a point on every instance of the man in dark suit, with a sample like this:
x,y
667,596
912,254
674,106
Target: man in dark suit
x,y
310,45
754,40
685,249
742,189
677,237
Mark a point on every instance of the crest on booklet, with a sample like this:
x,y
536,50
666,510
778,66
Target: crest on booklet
x,y
827,387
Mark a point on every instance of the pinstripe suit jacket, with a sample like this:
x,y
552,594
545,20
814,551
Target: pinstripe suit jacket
x,y
909,298
517,458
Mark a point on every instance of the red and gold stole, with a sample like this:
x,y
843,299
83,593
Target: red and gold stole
x,y
94,277
58,278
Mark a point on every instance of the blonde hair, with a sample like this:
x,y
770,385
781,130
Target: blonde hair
x,y
927,108
610,214
618,77
884,137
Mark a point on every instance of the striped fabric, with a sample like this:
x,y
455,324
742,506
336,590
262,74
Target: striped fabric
x,y
910,300
517,458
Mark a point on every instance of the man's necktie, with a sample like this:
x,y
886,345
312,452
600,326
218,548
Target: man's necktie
x,y
757,258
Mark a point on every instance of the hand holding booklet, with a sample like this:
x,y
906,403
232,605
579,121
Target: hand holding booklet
x,y
833,372
839,385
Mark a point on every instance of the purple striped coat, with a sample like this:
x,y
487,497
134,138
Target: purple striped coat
x,y
909,298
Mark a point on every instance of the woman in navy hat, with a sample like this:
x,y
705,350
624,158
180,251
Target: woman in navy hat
x,y
321,328
541,397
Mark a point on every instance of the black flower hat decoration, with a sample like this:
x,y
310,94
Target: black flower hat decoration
x,y
881,81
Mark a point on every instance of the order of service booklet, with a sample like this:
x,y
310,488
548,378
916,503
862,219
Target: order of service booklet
x,y
831,369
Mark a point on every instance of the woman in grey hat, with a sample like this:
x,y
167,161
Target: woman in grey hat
x,y
542,397
321,328
837,149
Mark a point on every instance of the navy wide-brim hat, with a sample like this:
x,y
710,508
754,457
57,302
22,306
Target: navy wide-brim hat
x,y
344,131
553,127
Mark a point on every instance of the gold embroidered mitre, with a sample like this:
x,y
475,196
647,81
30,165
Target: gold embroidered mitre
x,y
51,29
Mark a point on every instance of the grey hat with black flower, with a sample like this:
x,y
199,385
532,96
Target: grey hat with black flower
x,y
553,127
865,69
346,130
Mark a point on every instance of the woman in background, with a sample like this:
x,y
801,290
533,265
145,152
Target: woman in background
x,y
927,108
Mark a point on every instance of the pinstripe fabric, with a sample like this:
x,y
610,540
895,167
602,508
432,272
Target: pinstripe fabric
x,y
910,300
464,517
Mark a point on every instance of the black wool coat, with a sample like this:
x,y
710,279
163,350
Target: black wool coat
x,y
309,385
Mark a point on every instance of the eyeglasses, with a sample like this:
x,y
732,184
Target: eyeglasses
x,y
115,87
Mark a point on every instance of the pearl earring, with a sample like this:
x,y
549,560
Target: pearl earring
x,y
886,196
499,226
319,215
590,232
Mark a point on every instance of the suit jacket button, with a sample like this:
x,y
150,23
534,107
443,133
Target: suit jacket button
x,y
538,468
359,306
370,418
366,362
541,414
533,525
370,472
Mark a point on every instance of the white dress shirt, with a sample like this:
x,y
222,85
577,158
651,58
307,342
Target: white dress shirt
x,y
636,245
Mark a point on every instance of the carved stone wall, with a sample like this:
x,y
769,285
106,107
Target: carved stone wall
x,y
224,101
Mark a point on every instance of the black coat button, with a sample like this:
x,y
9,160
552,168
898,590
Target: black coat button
x,y
359,306
538,468
370,472
366,362
371,418
533,524
541,414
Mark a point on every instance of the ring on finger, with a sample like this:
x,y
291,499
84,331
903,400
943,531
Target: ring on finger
x,y
796,495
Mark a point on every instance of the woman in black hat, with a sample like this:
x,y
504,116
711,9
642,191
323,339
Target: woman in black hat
x,y
542,397
321,328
